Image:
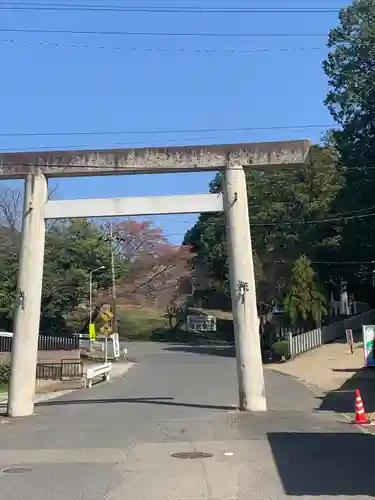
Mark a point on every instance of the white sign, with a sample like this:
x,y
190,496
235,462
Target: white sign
x,y
115,345
201,323
368,344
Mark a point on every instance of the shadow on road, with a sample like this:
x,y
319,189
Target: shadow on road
x,y
227,351
343,399
150,401
224,351
322,465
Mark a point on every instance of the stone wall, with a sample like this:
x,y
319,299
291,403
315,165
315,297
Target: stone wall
x,y
47,356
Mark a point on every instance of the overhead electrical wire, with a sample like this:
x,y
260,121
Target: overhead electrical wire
x,y
317,221
161,33
122,144
169,131
299,222
331,262
162,50
162,9
336,216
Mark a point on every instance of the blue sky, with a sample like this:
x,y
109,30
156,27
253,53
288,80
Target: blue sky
x,y
60,89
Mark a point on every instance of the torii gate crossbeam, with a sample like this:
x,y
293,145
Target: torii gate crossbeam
x,y
36,168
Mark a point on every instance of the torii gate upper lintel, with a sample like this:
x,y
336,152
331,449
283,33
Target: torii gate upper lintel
x,y
37,167
153,160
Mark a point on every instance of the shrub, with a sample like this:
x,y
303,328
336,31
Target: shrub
x,y
4,373
281,349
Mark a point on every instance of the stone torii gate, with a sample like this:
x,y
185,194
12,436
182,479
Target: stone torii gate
x,y
37,168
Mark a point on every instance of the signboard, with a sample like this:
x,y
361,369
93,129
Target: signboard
x,y
116,345
106,330
201,323
106,316
349,339
92,332
369,344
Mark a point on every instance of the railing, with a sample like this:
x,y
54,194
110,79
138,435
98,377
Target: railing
x,y
5,344
45,343
103,371
65,370
305,342
337,330
316,338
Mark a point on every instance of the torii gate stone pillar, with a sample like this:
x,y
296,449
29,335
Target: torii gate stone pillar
x,y
252,394
29,293
230,159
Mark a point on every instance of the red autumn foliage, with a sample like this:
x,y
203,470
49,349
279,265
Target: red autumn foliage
x,y
159,271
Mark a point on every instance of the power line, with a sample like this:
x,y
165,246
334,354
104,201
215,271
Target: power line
x,y
318,221
337,216
142,144
307,222
122,144
162,50
161,9
163,34
329,262
169,131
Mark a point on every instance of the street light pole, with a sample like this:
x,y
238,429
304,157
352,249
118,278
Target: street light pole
x,y
90,291
114,304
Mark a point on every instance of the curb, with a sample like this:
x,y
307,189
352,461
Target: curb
x,y
47,396
40,398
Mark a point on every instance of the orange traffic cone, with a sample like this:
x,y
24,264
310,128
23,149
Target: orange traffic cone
x,y
360,415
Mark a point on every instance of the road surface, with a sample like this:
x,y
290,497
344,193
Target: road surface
x,y
116,441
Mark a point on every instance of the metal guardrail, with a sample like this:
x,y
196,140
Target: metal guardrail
x,y
45,343
103,370
320,336
65,370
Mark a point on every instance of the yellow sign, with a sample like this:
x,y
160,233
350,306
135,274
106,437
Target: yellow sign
x,y
92,332
106,330
106,316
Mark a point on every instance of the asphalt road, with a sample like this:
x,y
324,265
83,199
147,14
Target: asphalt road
x,y
115,441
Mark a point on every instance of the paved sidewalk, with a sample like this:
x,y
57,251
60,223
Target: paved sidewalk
x,y
327,367
333,374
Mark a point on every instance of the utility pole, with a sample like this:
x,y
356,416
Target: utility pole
x,y
251,389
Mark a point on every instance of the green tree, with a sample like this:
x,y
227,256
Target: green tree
x,y
147,267
281,204
350,68
73,249
304,300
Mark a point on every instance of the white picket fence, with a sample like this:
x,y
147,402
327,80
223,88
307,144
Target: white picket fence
x,y
315,338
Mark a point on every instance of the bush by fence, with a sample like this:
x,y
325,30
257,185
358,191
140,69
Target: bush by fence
x,y
45,343
4,373
281,349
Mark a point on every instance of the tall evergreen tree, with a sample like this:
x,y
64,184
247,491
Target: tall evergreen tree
x,y
304,301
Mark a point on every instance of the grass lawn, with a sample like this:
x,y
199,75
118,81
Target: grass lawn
x,y
138,323
141,323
